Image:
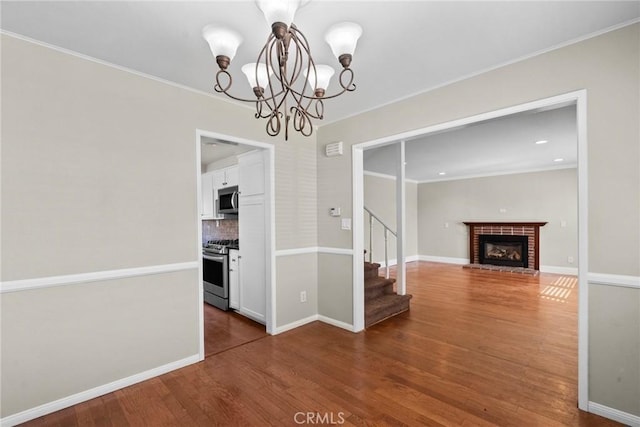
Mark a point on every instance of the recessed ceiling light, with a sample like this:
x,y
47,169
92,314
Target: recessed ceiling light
x,y
558,160
442,173
542,141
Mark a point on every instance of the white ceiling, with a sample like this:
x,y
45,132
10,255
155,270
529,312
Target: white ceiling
x,y
499,146
212,150
407,47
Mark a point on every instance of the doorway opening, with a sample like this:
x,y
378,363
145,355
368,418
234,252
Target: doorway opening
x,y
236,297
578,99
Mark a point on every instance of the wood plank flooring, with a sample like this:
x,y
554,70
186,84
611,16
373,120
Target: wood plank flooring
x,y
477,348
224,330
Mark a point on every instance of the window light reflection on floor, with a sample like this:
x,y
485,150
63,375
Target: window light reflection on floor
x,y
560,289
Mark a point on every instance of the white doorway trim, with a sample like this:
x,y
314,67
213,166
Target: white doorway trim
x,y
579,98
269,238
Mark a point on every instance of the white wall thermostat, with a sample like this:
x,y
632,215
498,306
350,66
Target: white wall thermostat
x,y
335,212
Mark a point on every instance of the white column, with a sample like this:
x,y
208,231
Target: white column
x,y
401,268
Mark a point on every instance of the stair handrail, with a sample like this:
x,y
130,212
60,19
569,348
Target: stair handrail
x,y
387,230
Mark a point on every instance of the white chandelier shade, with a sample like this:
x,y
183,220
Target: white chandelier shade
x,y
222,41
343,37
320,78
279,10
257,74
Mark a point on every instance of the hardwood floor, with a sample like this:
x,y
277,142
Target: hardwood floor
x,y
224,330
477,348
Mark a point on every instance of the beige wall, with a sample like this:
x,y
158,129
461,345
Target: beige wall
x,y
295,274
550,196
380,197
335,290
608,67
99,173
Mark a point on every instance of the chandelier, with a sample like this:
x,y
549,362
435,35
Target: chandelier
x,y
281,94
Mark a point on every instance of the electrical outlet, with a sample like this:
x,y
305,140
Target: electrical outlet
x,y
303,296
570,260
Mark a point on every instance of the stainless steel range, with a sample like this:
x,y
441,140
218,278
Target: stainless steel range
x,y
215,272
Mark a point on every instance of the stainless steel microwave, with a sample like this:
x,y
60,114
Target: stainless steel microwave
x,y
228,200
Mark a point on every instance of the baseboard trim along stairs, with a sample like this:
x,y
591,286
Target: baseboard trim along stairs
x,y
380,300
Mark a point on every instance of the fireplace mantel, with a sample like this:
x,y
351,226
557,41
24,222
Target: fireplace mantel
x,y
516,228
505,224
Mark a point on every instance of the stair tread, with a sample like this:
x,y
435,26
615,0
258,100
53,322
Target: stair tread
x,y
378,281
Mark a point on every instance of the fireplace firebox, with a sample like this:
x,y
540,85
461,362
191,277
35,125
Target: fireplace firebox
x,y
528,231
506,250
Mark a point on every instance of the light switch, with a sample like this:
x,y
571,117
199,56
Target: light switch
x,y
346,223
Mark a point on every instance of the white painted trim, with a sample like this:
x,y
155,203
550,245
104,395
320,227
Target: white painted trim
x,y
614,280
97,276
199,244
270,315
401,219
614,414
314,250
391,177
336,323
74,399
335,251
569,271
271,242
444,259
357,182
579,97
310,319
297,251
294,325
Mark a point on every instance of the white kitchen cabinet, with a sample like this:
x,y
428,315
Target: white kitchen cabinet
x,y
226,177
234,279
208,196
251,173
221,178
252,230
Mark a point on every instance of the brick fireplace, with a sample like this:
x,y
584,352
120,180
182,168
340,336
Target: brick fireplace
x,y
508,244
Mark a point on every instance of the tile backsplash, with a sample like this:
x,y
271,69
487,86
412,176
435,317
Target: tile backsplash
x,y
220,229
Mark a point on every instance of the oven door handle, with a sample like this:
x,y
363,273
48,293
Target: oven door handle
x,y
215,258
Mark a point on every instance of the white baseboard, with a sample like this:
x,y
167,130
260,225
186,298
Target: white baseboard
x,y
336,323
444,259
83,396
570,271
614,414
296,324
302,322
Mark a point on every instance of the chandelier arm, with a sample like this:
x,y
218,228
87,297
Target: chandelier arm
x,y
218,88
301,121
348,87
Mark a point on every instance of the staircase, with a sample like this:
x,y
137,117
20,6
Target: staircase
x,y
380,300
